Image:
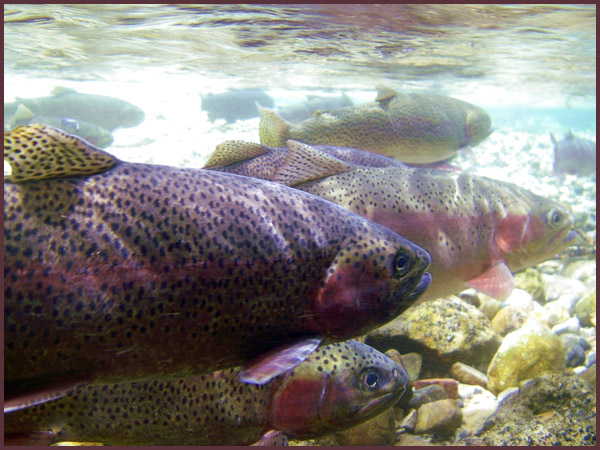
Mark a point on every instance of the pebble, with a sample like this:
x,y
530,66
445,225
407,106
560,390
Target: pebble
x,y
409,422
525,353
530,281
581,270
468,375
448,384
412,363
571,325
585,309
439,417
489,306
408,440
521,300
565,290
557,313
427,394
478,405
575,348
509,318
379,430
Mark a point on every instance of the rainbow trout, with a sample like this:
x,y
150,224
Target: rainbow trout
x,y
95,135
573,155
413,128
476,229
337,387
106,112
117,271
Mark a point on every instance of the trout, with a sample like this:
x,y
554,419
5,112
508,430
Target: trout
x,y
413,128
337,387
476,229
106,112
117,271
574,156
93,134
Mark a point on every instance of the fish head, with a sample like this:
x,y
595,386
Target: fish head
x,y
478,125
339,386
537,230
372,279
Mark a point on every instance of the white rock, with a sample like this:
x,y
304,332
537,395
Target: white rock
x,y
556,286
521,299
557,313
568,326
478,405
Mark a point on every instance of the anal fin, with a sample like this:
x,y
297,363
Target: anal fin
x,y
278,361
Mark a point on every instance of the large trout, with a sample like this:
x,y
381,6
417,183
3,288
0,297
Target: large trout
x,y
117,271
413,128
337,387
476,229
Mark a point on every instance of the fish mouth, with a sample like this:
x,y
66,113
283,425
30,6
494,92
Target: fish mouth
x,y
423,284
378,404
577,237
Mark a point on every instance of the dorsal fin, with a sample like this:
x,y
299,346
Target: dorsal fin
x,y
384,93
231,152
273,130
38,152
61,90
305,163
22,116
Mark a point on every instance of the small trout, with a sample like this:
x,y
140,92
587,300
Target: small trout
x,y
337,387
413,128
476,229
117,271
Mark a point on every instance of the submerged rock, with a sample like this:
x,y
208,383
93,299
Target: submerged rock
x,y
379,430
585,309
447,329
525,353
478,405
531,281
553,409
439,417
468,375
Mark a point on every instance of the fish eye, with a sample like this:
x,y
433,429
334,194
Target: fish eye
x,y
370,380
554,218
403,263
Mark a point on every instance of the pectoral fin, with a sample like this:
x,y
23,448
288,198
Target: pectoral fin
x,y
272,438
278,361
305,163
27,400
231,152
497,281
37,152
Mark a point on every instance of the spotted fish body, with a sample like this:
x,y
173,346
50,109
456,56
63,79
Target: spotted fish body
x,y
338,386
476,229
413,128
137,271
103,111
